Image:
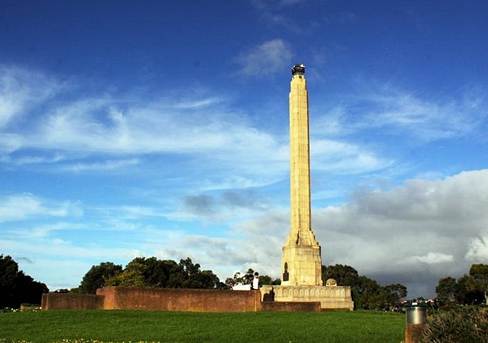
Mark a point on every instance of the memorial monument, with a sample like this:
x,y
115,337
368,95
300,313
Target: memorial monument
x,y
301,260
302,287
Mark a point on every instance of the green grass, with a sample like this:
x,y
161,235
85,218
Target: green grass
x,y
118,326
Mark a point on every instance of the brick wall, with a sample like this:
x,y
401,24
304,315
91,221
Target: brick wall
x,y
61,301
168,299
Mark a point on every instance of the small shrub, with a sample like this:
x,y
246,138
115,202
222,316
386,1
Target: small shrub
x,y
462,324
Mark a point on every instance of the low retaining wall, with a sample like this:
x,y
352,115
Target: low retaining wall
x,y
170,299
62,301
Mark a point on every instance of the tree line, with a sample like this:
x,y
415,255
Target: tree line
x,y
470,289
149,272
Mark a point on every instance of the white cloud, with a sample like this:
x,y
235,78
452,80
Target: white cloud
x,y
96,126
478,249
109,133
427,119
107,165
434,258
405,112
10,142
24,206
342,157
30,159
267,58
47,229
20,90
197,104
119,216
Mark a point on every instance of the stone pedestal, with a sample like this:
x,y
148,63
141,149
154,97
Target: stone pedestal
x,y
301,265
330,297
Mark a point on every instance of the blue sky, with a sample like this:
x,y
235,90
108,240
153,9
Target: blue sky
x,y
149,129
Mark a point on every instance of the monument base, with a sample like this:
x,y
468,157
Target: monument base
x,y
330,297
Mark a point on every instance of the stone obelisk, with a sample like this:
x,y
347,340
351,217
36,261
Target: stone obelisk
x,y
301,261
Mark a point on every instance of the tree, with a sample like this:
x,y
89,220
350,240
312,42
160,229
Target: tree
x,y
265,280
344,275
268,280
248,277
152,272
366,293
471,289
29,291
17,287
148,272
232,281
204,279
479,272
468,292
276,282
8,275
128,278
97,276
395,292
446,290
193,277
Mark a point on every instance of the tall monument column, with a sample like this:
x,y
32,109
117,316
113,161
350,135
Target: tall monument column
x,y
301,261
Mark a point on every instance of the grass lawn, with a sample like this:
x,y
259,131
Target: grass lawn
x,y
124,326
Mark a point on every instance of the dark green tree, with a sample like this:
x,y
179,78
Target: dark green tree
x,y
471,289
152,272
193,277
366,292
479,273
468,291
8,275
268,280
16,287
344,275
447,291
97,276
231,281
248,276
27,290
395,292
265,280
